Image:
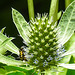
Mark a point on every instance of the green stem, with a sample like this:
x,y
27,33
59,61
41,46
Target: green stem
x,y
31,9
53,10
67,2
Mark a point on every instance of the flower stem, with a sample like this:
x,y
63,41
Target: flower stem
x,y
30,9
53,10
67,2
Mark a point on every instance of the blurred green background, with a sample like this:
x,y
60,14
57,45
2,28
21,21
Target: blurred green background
x,y
40,6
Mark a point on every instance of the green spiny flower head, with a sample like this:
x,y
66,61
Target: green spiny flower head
x,y
43,43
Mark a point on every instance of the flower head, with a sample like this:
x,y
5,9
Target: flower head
x,y
43,43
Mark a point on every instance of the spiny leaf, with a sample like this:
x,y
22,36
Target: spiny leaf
x,y
67,24
6,41
68,66
11,69
69,71
70,46
9,46
9,61
3,29
59,15
15,73
2,71
21,24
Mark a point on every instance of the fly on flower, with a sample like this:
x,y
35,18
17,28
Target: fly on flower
x,y
22,54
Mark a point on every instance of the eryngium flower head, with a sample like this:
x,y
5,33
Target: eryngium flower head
x,y
43,46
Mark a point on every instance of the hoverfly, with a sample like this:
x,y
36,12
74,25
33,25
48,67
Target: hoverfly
x,y
22,54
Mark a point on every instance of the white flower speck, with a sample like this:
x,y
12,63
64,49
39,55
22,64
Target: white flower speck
x,y
45,63
36,61
49,58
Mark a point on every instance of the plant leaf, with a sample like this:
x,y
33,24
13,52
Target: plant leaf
x,y
2,71
9,46
69,71
68,66
70,46
3,29
21,24
2,49
9,61
67,24
6,41
15,73
59,15
11,69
